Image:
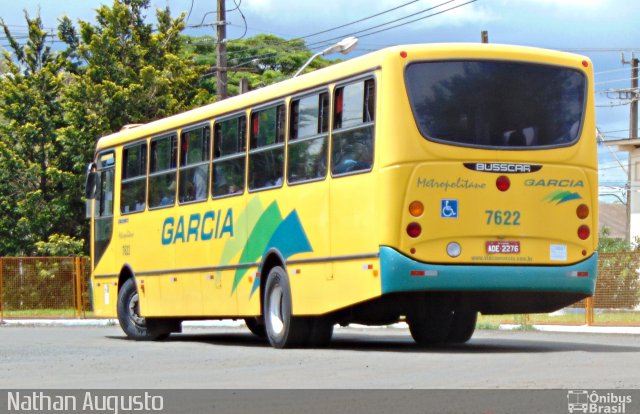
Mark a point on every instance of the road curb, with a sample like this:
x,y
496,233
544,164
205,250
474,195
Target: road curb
x,y
625,330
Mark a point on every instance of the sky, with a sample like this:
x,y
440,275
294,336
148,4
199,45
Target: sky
x,y
604,30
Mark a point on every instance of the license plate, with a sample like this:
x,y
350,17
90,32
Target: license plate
x,y
503,247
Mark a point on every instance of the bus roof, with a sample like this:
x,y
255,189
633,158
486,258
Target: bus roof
x,y
351,67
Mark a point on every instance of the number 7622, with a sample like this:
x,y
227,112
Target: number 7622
x,y
503,217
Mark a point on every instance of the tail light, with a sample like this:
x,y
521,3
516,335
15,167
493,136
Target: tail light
x,y
584,232
414,230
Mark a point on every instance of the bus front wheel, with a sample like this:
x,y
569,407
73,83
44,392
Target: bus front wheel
x,y
256,326
283,329
135,326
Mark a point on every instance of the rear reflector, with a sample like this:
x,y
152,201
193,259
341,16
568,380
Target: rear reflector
x,y
418,273
503,183
579,274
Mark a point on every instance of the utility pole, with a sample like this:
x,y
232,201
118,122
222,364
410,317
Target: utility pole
x,y
221,52
633,110
484,36
633,134
244,85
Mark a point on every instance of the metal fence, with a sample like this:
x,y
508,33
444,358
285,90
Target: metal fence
x,y
59,287
35,287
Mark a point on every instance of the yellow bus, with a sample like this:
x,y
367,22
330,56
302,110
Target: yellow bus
x,y
424,183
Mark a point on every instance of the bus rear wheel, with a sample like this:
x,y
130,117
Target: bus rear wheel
x,y
283,329
430,321
321,331
463,324
135,326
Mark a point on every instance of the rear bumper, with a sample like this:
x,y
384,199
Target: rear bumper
x,y
397,269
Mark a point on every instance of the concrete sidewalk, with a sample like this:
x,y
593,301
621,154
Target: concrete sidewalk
x,y
626,330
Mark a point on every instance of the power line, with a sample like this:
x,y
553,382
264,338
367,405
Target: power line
x,y
319,44
613,105
613,132
616,80
602,49
611,71
394,21
421,18
363,19
189,14
243,18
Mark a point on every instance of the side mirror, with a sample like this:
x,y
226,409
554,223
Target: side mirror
x,y
90,182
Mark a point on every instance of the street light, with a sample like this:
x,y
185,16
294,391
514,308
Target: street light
x,y
344,46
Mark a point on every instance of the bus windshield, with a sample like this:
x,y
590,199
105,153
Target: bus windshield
x,y
510,105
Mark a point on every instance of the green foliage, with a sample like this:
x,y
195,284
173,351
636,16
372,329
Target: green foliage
x,y
34,183
123,71
608,244
60,245
263,59
118,70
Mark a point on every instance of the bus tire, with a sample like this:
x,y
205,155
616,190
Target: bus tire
x,y
321,331
256,326
283,329
134,325
463,324
430,321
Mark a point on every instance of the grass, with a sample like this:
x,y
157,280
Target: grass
x,y
599,318
43,313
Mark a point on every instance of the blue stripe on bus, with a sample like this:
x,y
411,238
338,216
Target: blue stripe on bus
x,y
396,276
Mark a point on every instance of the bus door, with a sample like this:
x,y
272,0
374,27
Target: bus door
x,y
353,208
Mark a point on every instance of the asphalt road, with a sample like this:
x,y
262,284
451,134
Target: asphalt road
x,y
232,358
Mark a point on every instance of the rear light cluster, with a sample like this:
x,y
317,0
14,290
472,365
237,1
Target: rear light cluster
x,y
416,209
582,212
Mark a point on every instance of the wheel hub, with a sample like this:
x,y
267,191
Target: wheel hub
x,y
134,312
275,318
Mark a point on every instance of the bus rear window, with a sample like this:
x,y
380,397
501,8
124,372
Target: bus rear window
x,y
496,103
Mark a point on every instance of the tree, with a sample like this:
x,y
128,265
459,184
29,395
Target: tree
x,y
55,105
124,71
34,184
262,59
121,70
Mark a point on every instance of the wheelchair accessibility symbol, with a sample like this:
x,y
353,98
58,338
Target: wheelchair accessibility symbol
x,y
449,208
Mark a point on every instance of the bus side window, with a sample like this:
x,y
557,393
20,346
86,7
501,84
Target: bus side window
x,y
162,171
352,134
194,164
229,140
134,178
308,143
266,153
